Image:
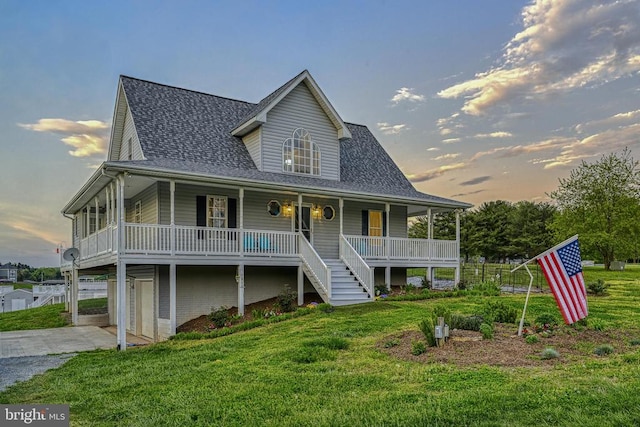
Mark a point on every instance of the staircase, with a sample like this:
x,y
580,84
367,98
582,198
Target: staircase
x,y
345,288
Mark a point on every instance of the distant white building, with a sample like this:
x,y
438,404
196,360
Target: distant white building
x,y
15,300
8,273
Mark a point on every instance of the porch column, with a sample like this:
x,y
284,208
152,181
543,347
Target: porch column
x,y
341,208
74,296
457,277
172,194
387,243
300,285
121,297
172,299
97,227
107,205
300,212
241,289
429,231
241,224
113,203
88,221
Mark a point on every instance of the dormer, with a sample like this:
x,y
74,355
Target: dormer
x,y
295,130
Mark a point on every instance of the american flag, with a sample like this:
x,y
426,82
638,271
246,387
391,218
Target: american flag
x,y
562,267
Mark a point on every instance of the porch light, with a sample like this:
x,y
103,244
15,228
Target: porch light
x,y
287,209
317,212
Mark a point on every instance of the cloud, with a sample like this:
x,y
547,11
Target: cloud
x,y
405,94
447,156
433,149
389,129
451,140
469,193
615,120
493,135
476,181
563,45
434,173
87,137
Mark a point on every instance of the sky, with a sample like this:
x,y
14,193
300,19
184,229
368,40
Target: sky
x,y
475,101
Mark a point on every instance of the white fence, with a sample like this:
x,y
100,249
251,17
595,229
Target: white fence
x,y
404,248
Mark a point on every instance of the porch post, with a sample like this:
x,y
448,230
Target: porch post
x,y
172,194
430,275
107,205
97,227
300,285
172,299
341,207
113,203
74,296
241,289
241,237
457,278
429,231
387,242
121,301
88,221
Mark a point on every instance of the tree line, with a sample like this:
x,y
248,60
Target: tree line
x,y
599,201
26,272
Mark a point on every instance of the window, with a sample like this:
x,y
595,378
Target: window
x,y
217,211
300,154
137,213
375,223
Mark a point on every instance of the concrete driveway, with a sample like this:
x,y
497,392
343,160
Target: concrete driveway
x,y
40,342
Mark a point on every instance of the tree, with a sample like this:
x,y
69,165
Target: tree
x,y
530,231
601,202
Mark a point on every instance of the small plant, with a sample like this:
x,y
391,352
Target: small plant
x,y
219,316
392,343
531,339
598,325
426,284
487,331
326,308
286,300
381,289
486,288
409,288
635,341
466,323
442,311
598,287
418,348
462,285
427,326
549,353
603,350
546,319
258,313
499,312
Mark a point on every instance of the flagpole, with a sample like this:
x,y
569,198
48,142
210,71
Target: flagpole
x,y
526,301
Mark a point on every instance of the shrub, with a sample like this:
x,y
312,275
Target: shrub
x,y
486,288
487,331
392,343
603,350
418,348
598,325
426,284
427,326
219,316
442,311
462,285
598,287
286,300
499,312
381,289
409,288
467,323
549,353
326,308
531,339
258,313
635,341
546,319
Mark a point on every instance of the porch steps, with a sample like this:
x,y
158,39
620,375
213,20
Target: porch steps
x,y
345,288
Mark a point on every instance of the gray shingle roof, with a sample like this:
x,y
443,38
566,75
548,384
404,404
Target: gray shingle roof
x,y
186,131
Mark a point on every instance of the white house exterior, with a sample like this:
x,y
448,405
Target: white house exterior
x,y
8,273
207,201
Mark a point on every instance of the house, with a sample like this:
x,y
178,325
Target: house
x,y
8,273
15,300
207,201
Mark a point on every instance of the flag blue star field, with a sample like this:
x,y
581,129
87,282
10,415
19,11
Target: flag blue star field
x,y
562,267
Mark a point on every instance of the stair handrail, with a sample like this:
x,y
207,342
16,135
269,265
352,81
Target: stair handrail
x,y
358,266
317,267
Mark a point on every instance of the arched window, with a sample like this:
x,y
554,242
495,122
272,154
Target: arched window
x,y
300,154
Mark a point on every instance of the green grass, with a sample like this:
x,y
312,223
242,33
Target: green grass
x,y
92,303
324,369
49,316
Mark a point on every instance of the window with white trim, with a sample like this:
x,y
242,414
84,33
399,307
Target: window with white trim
x,y
217,209
137,213
300,154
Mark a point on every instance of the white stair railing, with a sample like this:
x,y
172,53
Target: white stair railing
x,y
315,266
357,265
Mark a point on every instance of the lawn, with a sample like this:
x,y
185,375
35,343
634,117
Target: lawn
x,y
326,369
49,316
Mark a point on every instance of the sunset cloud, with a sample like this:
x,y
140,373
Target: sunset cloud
x,y
447,156
476,181
87,137
435,173
389,129
493,135
406,94
563,45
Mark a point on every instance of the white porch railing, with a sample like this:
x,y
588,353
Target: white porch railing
x,y
404,248
357,265
315,266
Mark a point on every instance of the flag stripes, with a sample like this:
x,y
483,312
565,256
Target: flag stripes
x,y
563,270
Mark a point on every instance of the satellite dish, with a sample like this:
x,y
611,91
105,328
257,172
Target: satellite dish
x,y
71,254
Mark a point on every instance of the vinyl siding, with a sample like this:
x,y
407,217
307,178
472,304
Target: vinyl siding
x,y
253,143
299,109
148,198
129,132
353,218
200,289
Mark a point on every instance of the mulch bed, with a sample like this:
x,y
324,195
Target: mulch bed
x,y
506,349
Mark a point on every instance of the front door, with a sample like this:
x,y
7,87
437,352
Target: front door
x,y
306,221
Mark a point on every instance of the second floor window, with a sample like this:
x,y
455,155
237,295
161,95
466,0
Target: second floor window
x,y
300,154
217,211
